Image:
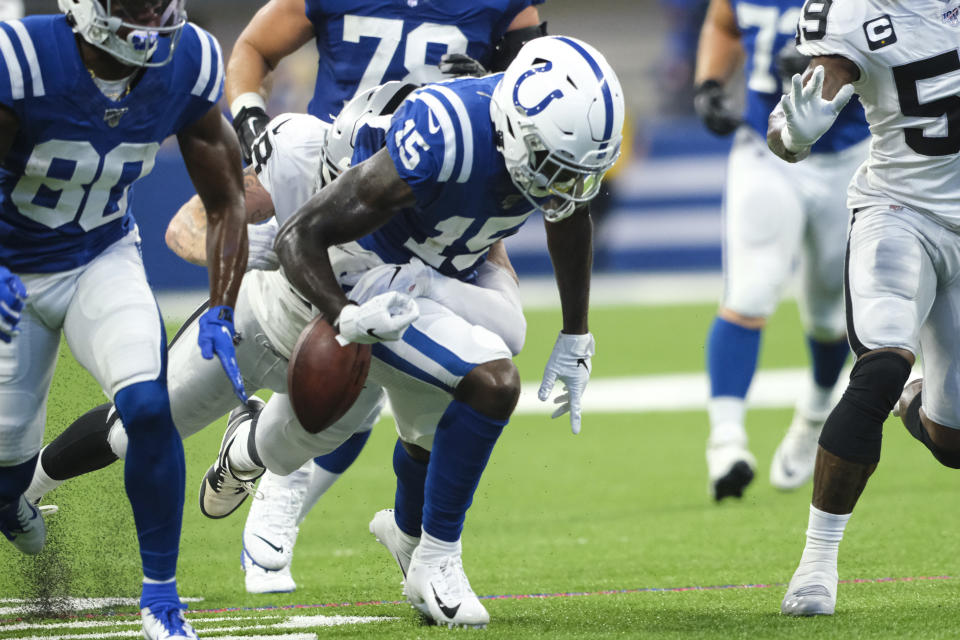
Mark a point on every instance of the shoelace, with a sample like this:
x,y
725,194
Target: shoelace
x,y
454,579
281,517
16,522
171,617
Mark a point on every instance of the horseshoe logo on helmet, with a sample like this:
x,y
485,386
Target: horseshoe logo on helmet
x,y
540,106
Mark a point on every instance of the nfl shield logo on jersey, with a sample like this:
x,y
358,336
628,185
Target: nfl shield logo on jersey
x,y
112,116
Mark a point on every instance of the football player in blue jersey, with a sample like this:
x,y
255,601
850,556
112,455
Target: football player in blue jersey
x,y
87,98
360,45
774,213
363,44
466,162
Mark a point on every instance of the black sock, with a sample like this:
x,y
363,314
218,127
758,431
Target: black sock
x,y
82,447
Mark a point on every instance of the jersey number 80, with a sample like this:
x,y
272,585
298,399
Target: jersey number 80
x,y
68,180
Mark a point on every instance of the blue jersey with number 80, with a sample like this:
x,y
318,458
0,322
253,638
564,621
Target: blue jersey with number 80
x,y
364,43
65,182
442,143
766,27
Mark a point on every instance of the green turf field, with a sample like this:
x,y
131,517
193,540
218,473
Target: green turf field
x,y
613,528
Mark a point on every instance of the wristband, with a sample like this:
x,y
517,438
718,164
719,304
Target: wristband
x,y
244,100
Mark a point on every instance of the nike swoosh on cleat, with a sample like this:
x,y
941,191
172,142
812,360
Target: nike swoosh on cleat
x,y
270,544
447,611
400,564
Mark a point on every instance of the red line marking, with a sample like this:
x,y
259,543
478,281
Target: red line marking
x,y
561,594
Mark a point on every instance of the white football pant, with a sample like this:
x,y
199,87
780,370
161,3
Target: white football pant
x,y
775,213
903,287
113,327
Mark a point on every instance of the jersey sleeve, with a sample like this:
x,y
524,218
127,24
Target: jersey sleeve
x,y
833,28
286,159
425,141
19,76
203,73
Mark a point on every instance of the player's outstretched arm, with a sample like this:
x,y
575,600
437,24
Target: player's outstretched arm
x,y
278,29
810,108
187,232
212,156
719,54
570,242
355,204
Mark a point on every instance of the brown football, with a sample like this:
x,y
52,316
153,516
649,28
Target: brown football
x,y
323,378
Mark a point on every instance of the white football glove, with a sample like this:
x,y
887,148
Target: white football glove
x,y
382,318
808,115
261,255
570,363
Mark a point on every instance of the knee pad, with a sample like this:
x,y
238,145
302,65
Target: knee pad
x,y
144,406
855,427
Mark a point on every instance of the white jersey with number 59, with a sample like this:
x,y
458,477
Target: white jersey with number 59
x,y
908,53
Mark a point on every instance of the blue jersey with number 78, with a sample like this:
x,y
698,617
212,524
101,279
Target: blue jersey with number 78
x,y
65,182
364,43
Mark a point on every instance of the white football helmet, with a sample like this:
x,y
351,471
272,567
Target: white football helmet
x,y
558,112
374,106
129,30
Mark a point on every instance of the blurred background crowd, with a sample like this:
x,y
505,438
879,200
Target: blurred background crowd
x,y
661,208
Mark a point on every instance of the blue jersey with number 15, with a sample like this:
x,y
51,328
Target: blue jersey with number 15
x,y
364,43
442,143
766,27
65,182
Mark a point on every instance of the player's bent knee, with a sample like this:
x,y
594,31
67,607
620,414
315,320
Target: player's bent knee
x,y
854,430
491,388
144,406
747,320
417,453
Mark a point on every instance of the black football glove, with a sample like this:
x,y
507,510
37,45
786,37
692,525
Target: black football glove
x,y
249,124
713,107
788,62
460,64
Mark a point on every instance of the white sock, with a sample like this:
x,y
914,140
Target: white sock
x,y
41,484
816,402
726,419
320,481
241,462
432,548
824,532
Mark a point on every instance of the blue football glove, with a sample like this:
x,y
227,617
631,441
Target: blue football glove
x,y
12,296
216,337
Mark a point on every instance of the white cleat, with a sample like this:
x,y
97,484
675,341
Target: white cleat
x,y
730,467
166,623
22,524
260,580
910,392
271,529
794,459
812,591
221,491
400,545
440,591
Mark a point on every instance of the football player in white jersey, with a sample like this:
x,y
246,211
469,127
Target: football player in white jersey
x,y
773,214
903,269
